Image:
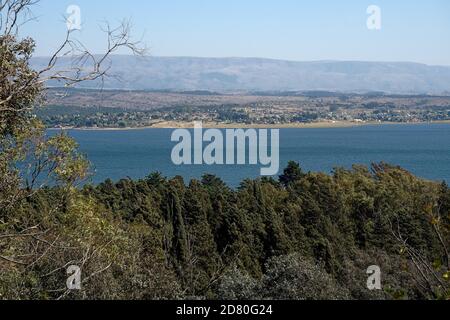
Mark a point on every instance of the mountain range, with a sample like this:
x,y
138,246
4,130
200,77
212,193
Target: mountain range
x,y
258,74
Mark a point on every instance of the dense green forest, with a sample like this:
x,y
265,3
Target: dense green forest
x,y
304,236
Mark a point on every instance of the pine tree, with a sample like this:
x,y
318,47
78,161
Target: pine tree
x,y
292,173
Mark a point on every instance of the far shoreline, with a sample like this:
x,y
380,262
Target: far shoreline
x,y
214,125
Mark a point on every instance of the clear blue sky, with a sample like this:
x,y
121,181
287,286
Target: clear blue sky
x,y
417,31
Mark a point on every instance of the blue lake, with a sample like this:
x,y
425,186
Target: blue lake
x,y
422,149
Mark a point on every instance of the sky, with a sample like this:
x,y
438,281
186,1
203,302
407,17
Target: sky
x,y
414,31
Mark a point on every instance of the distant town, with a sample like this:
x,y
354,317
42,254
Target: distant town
x,y
76,108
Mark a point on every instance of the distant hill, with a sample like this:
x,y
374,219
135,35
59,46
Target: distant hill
x,y
256,74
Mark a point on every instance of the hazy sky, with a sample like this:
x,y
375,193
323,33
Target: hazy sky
x,y
417,31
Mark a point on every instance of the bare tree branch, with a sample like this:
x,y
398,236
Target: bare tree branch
x,y
86,66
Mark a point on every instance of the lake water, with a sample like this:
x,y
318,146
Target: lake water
x,y
422,149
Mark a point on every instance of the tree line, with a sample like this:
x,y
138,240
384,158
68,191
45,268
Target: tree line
x,y
303,236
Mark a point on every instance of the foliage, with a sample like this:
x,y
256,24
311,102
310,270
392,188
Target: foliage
x,y
158,238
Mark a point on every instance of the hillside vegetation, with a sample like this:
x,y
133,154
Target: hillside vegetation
x,y
306,236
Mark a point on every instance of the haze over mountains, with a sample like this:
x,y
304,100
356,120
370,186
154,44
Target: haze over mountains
x,y
257,74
